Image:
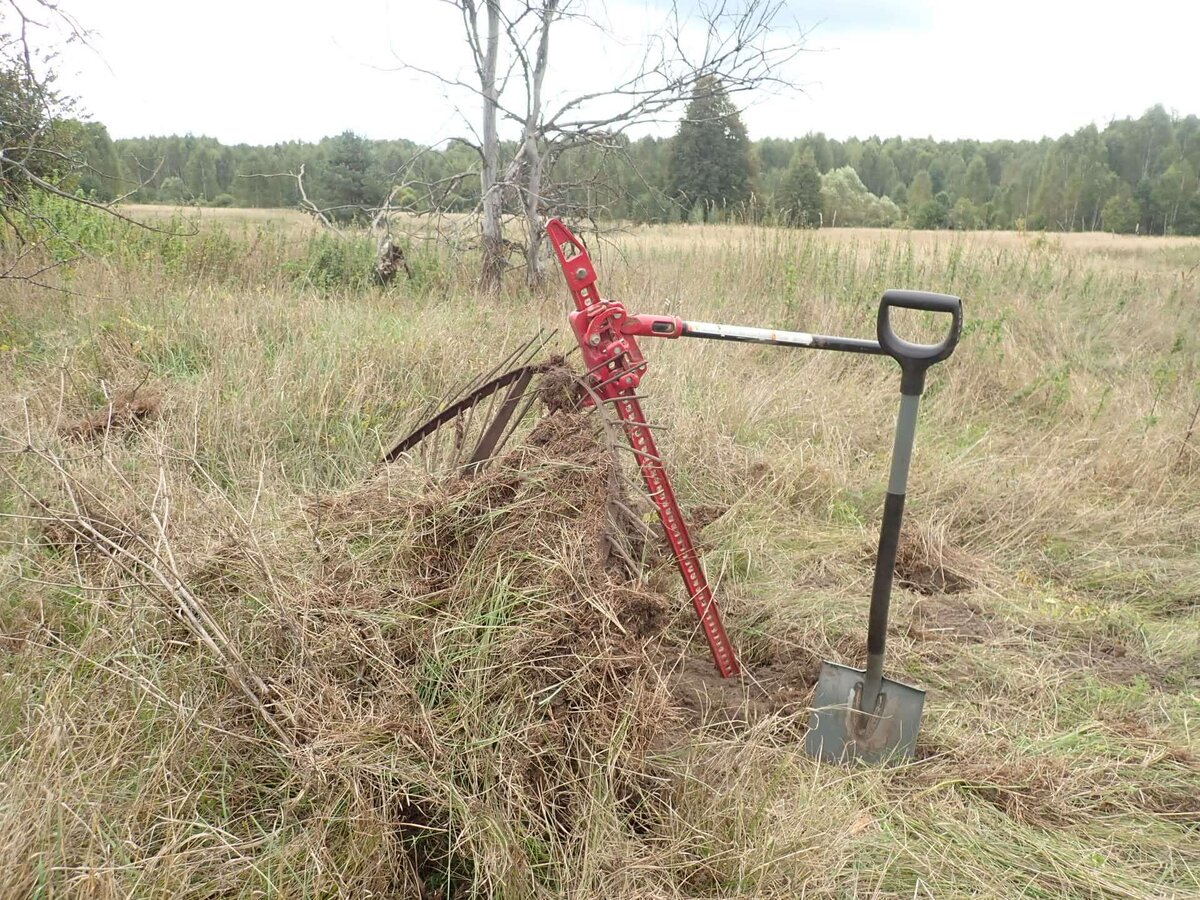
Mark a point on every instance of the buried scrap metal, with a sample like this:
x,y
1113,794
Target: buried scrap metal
x,y
857,714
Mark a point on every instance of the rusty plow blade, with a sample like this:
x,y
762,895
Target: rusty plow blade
x,y
471,426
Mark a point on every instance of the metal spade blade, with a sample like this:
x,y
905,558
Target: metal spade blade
x,y
839,732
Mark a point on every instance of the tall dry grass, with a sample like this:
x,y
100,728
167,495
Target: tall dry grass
x,y
464,701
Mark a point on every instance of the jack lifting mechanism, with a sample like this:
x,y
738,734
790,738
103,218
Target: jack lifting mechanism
x,y
856,713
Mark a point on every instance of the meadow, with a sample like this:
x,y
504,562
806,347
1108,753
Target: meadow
x,y
238,658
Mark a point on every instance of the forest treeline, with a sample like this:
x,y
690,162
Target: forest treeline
x,y
1134,175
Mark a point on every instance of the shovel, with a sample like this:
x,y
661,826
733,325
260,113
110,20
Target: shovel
x,y
860,714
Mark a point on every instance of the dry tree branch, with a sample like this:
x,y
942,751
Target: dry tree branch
x,y
308,205
1187,437
321,214
35,159
153,568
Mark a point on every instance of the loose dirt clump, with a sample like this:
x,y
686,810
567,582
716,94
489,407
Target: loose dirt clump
x,y
560,389
128,409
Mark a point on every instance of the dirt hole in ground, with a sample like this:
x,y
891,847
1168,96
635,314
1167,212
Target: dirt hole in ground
x,y
928,564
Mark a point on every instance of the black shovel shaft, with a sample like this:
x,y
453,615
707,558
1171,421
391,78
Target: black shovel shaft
x,y
889,544
885,567
915,360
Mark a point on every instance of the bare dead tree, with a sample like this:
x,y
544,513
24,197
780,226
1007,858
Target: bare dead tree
x,y
530,155
741,43
487,58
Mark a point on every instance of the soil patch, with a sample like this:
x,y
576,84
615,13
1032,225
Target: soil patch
x,y
703,699
950,618
128,409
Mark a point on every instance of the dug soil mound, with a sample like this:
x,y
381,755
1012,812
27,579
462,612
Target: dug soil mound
x,y
477,656
526,568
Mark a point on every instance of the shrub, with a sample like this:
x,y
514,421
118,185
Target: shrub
x,y
66,228
335,262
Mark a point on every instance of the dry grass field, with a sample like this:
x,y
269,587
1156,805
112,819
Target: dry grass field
x,y
239,659
150,212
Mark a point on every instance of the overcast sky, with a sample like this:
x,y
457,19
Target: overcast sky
x,y
261,71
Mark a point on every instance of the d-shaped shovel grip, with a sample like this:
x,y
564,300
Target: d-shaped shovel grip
x,y
915,359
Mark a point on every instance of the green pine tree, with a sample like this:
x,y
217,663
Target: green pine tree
x,y
710,163
343,181
801,193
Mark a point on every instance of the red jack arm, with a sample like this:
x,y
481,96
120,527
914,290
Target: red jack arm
x,y
654,326
606,336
